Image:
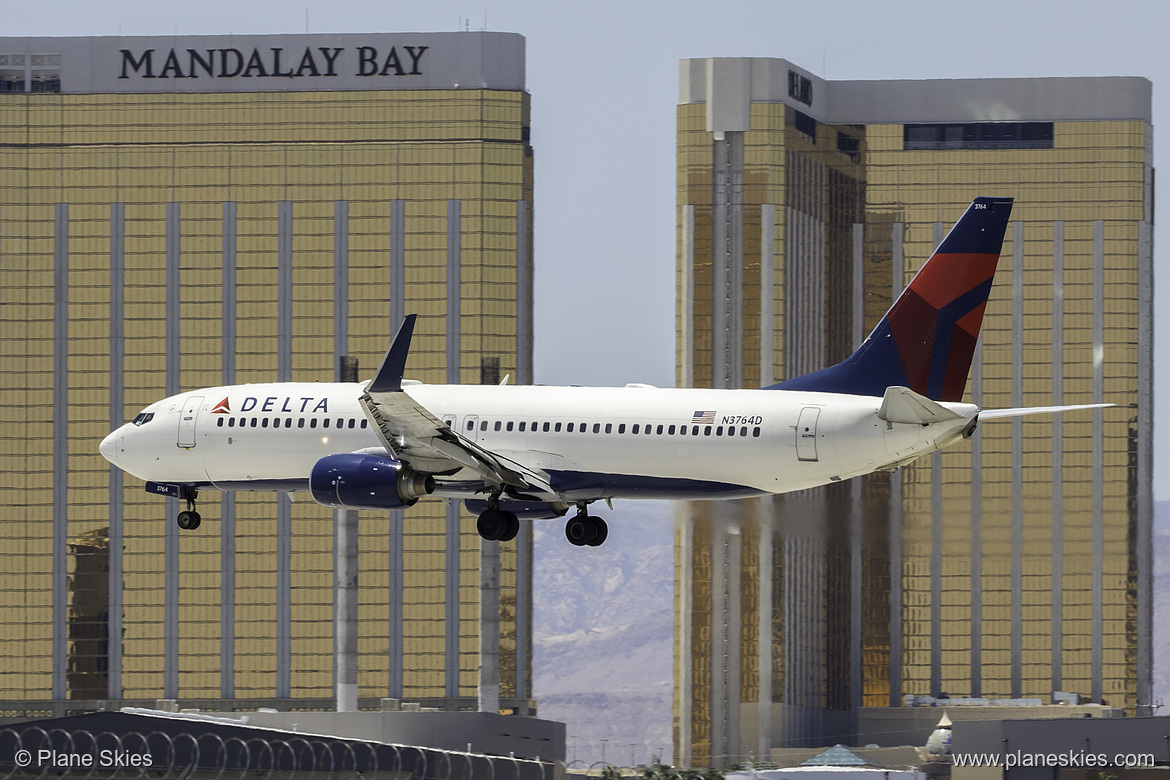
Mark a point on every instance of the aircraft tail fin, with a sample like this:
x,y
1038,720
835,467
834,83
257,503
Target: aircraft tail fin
x,y
926,340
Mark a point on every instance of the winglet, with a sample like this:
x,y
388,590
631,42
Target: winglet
x,y
389,376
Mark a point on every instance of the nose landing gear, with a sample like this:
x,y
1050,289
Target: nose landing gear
x,y
585,530
189,520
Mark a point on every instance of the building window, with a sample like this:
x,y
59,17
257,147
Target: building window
x,y
489,370
978,135
800,88
807,125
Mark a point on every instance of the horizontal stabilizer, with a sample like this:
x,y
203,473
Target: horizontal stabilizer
x,y
995,414
903,405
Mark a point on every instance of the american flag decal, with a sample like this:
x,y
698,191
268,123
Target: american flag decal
x,y
703,418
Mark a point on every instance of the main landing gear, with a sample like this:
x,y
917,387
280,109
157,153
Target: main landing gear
x,y
189,520
497,525
584,529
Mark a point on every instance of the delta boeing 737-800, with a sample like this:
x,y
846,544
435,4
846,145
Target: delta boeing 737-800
x,y
512,451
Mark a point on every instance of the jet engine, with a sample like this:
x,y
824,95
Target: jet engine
x,y
355,481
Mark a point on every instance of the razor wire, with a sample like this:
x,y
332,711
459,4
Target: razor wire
x,y
30,752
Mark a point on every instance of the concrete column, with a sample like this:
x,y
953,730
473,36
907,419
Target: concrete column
x,y
60,448
489,626
345,625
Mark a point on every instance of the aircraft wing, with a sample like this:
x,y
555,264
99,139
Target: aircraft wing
x,y
415,436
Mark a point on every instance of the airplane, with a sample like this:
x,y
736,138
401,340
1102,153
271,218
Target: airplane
x,y
536,451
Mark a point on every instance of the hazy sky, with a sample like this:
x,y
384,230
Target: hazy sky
x,y
604,82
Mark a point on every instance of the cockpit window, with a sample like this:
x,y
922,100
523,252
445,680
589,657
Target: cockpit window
x,y
143,418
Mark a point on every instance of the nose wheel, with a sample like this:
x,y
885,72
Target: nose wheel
x,y
189,519
585,530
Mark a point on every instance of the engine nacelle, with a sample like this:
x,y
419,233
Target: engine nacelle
x,y
355,481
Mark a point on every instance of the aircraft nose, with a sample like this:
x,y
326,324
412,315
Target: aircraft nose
x,y
109,448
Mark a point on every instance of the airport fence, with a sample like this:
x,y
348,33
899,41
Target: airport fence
x,y
28,752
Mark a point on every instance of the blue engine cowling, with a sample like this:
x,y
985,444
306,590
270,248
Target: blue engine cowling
x,y
352,480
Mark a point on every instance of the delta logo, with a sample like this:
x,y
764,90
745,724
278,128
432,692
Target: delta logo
x,y
222,408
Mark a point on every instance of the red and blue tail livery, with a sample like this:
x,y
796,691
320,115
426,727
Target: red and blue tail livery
x,y
926,340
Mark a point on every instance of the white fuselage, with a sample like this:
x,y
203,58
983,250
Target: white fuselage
x,y
594,443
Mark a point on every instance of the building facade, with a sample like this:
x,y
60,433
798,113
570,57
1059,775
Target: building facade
x,y
183,212
1015,566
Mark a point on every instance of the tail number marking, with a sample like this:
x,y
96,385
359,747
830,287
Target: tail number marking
x,y
737,419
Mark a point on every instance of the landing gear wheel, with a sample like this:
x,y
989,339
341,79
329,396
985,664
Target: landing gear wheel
x,y
602,532
497,525
513,526
189,520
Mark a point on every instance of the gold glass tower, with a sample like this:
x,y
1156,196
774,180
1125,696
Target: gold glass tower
x,y
188,212
1016,566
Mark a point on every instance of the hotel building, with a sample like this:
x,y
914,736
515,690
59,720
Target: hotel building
x,y
1013,566
188,211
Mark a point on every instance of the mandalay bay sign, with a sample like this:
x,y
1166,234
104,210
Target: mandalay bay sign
x,y
270,62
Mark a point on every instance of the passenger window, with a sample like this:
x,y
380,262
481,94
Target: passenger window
x,y
340,423
634,429
609,427
231,422
682,430
313,422
622,428
570,428
597,427
301,423
483,425
522,426
509,425
546,427
471,425
659,430
583,427
497,426
719,431
670,430
743,431
219,422
731,430
264,423
707,431
695,431
756,432
557,427
365,423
